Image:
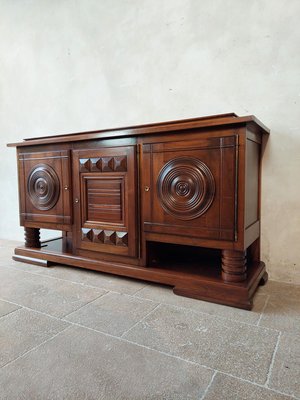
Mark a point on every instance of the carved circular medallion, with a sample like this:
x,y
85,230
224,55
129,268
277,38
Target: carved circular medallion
x,y
43,187
185,187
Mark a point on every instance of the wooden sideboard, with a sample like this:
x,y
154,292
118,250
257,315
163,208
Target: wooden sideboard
x,y
176,203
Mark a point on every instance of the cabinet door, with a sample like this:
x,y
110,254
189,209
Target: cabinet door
x,y
44,186
105,200
189,188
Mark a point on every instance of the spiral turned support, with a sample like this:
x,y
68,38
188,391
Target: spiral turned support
x,y
32,237
234,266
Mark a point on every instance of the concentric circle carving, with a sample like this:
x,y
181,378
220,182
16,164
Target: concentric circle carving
x,y
185,187
43,187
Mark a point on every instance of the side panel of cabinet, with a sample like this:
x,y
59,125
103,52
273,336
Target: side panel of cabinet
x,y
45,189
189,188
105,200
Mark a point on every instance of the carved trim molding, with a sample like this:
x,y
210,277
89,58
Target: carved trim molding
x,y
103,164
185,188
43,187
104,237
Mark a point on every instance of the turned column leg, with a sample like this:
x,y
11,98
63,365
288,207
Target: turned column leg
x,y
32,237
233,266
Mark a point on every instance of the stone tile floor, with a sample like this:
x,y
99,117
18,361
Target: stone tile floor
x,y
67,333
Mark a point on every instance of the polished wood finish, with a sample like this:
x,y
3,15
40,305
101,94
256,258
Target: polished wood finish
x,y
32,237
105,194
234,266
45,188
175,202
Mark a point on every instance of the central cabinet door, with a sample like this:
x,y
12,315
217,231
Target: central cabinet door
x,y
105,200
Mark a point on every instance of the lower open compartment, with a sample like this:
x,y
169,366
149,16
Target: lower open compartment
x,y
191,271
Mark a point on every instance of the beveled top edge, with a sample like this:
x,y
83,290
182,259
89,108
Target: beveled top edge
x,y
152,128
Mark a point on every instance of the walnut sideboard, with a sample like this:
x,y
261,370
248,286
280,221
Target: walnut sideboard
x,y
176,203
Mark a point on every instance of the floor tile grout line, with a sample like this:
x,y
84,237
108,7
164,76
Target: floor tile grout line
x,y
209,385
83,305
134,295
138,344
11,312
70,324
184,308
257,384
122,339
62,318
273,360
74,282
35,347
36,311
107,292
141,320
213,315
52,277
263,310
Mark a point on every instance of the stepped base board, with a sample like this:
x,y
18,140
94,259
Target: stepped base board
x,y
203,282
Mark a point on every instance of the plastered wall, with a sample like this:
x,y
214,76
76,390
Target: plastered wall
x,y
69,65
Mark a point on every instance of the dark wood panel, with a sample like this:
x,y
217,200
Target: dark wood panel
x,y
252,182
104,199
106,195
175,202
191,189
157,128
45,187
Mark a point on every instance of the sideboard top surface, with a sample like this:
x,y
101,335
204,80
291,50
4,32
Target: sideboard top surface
x,y
221,120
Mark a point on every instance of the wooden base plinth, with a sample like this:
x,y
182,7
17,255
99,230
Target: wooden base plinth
x,y
202,282
34,261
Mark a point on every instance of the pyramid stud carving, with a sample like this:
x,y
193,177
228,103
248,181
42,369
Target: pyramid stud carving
x,y
122,239
96,234
107,164
101,237
95,164
109,237
84,164
87,235
120,163
103,164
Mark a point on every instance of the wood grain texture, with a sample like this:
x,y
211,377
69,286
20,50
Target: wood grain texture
x,y
233,266
32,237
45,188
146,129
175,202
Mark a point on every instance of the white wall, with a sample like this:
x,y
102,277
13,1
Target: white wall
x,y
68,65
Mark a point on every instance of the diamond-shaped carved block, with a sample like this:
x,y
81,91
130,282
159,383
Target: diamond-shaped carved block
x,y
85,165
95,164
101,237
120,163
109,237
97,236
87,235
107,164
122,239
